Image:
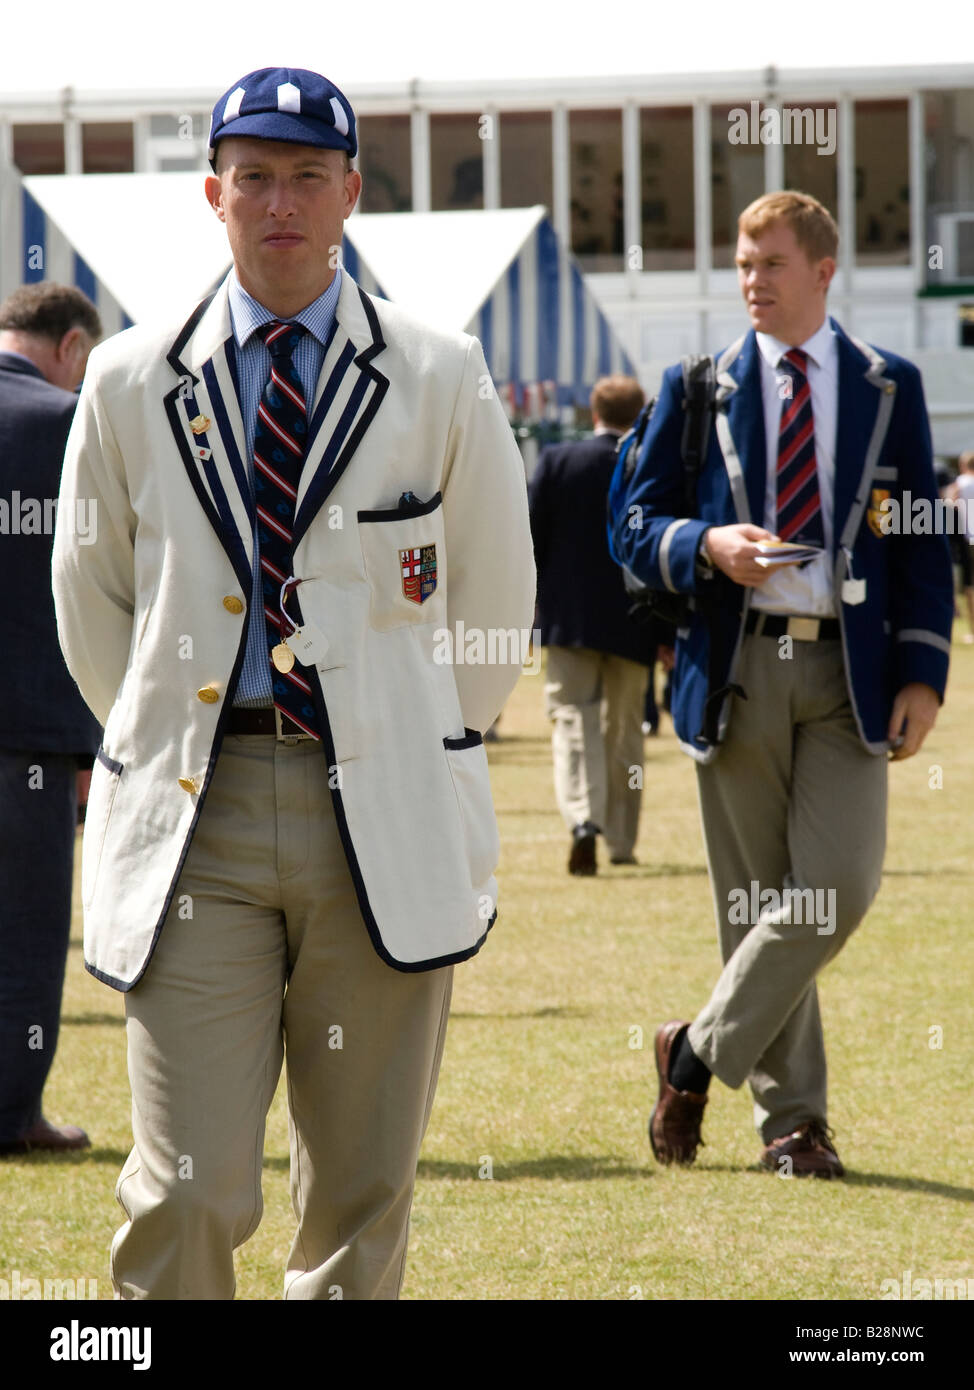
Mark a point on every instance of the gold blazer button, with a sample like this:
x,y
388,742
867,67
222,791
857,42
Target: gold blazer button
x,y
208,695
188,784
232,604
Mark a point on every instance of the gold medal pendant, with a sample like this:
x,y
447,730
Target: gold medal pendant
x,y
282,657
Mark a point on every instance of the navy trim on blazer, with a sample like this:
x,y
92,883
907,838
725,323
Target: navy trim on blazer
x,y
173,356
233,454
402,513
470,739
230,540
328,474
110,763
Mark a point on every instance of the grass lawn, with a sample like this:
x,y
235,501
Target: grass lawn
x,y
536,1179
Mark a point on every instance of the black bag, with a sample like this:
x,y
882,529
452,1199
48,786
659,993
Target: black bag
x,y
699,390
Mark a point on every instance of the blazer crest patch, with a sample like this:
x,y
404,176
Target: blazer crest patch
x,y
418,566
874,515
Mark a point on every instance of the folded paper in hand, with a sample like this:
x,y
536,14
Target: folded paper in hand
x,y
773,554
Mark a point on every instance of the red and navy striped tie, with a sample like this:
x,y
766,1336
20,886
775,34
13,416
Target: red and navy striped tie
x,y
279,444
799,505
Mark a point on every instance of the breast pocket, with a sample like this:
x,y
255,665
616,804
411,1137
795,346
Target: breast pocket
x,y
404,553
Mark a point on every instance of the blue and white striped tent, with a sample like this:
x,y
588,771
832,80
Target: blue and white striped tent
x,y
142,245
33,247
505,277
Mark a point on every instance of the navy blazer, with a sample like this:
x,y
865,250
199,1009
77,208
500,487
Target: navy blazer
x,y
581,597
40,706
899,632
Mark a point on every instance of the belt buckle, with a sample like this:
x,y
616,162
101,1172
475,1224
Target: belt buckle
x,y
282,737
804,629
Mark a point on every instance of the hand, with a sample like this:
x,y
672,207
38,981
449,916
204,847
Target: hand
x,y
84,782
666,656
734,550
914,713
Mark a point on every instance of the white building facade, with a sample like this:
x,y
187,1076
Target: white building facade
x,y
644,178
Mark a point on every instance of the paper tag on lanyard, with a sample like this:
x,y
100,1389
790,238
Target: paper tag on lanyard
x,y
308,643
853,590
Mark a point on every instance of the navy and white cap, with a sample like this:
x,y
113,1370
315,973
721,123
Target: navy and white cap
x,y
289,104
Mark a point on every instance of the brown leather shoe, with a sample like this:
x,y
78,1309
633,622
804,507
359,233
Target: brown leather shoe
x,y
674,1125
44,1135
582,858
810,1150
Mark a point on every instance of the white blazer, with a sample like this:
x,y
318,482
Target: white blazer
x,y
151,616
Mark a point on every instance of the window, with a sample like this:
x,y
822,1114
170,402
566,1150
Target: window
x,y
107,148
456,162
809,131
525,159
949,121
385,159
882,183
736,176
39,149
596,188
666,163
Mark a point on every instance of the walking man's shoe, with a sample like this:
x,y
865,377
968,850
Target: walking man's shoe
x,y
582,858
44,1135
809,1151
674,1125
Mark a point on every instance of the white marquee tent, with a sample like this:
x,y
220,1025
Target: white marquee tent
x,y
144,245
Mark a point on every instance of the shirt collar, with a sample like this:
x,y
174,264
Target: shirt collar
x,y
817,348
248,314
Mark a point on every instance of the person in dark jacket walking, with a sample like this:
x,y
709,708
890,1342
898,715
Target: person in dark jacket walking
x,y
598,659
47,735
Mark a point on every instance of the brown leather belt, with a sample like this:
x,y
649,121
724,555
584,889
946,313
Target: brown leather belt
x,y
264,721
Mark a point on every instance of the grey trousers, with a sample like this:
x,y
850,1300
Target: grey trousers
x,y
794,818
264,956
595,702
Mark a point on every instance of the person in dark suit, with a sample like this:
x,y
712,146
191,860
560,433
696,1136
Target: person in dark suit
x,y
792,685
47,734
598,658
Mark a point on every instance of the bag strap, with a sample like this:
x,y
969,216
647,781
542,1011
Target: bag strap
x,y
699,391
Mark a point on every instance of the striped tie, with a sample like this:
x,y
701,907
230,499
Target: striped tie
x,y
279,443
799,506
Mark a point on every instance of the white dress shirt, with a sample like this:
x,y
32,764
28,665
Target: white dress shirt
x,y
805,591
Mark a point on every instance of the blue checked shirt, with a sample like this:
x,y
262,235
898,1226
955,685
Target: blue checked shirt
x,y
253,369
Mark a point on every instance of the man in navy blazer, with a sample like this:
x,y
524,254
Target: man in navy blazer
x,y
598,658
46,730
802,678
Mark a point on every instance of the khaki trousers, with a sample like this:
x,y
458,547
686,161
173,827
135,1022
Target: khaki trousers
x,y
263,956
595,701
792,801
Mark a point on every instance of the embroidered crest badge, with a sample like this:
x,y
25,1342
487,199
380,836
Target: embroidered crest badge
x,y
874,515
418,566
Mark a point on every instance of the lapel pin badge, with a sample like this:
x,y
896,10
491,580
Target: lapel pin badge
x,y
201,424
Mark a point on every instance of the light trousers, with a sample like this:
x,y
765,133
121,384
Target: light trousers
x,y
264,957
595,701
793,801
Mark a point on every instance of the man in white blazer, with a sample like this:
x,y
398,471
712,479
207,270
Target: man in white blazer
x,y
290,837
